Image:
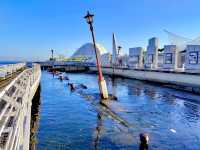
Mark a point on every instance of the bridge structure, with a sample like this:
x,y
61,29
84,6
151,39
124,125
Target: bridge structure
x,y
15,109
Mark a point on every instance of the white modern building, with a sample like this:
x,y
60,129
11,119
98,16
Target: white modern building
x,y
188,52
86,53
136,56
106,60
160,60
123,60
151,60
170,57
181,54
192,61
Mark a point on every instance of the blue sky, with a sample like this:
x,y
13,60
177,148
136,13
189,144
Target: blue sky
x,y
29,28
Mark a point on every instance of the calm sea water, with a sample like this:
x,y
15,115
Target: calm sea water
x,y
8,62
76,120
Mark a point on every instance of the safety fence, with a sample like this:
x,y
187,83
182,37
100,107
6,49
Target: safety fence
x,y
8,69
15,109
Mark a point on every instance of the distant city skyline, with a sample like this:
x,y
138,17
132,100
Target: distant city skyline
x,y
29,29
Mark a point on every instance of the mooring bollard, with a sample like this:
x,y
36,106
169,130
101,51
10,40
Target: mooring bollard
x,y
83,86
144,141
66,78
61,78
113,97
72,86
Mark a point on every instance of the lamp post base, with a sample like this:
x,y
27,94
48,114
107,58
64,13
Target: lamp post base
x,y
103,89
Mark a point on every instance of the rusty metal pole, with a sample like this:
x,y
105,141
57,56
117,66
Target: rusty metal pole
x,y
97,55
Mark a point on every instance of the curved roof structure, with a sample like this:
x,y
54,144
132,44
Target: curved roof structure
x,y
181,42
88,50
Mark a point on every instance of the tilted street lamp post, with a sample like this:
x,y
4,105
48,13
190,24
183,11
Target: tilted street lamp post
x,y
118,57
102,83
52,51
52,58
119,49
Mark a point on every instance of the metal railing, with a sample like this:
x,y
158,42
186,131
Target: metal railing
x,y
10,68
15,109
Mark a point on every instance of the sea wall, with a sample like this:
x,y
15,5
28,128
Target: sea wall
x,y
184,81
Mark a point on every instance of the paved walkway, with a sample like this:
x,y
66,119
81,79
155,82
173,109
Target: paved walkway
x,y
8,80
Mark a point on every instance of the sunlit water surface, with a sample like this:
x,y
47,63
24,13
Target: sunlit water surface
x,y
76,120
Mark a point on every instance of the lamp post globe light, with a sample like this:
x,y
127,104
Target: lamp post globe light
x,y
119,49
89,18
102,84
118,53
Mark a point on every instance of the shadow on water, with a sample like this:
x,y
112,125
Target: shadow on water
x,y
101,107
114,88
98,131
99,143
35,111
165,114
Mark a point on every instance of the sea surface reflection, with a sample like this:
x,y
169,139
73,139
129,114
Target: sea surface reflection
x,y
76,120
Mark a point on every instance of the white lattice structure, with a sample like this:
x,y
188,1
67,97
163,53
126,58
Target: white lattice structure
x,y
15,110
